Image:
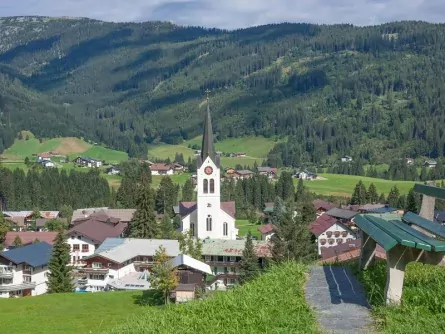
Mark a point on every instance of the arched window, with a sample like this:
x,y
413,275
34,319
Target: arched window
x,y
192,228
225,229
206,186
209,223
212,186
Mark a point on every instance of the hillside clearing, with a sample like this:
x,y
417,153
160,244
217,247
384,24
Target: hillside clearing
x,y
343,185
274,303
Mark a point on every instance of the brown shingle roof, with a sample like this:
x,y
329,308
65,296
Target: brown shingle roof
x,y
266,228
320,204
349,255
160,167
321,224
29,237
98,231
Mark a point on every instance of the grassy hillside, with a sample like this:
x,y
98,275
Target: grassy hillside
x,y
422,309
250,309
245,310
343,185
332,89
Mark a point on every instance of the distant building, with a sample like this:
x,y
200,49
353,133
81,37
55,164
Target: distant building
x,y
270,172
88,162
267,231
409,161
48,164
321,206
242,174
28,237
306,175
346,158
113,170
240,154
161,169
430,163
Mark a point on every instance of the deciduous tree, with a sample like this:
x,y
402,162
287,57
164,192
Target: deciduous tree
x,y
190,245
163,276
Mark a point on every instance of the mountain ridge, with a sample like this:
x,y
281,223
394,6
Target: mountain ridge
x,y
334,89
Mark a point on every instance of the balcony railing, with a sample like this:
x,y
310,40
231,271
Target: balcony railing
x,y
6,274
222,263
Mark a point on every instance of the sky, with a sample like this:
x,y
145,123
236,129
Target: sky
x,y
233,14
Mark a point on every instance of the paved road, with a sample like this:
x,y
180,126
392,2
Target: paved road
x,y
339,300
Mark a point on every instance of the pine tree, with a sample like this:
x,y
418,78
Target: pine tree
x,y
249,269
371,195
166,196
393,196
411,203
4,227
190,245
300,189
60,277
359,194
382,199
144,224
163,276
17,242
187,191
166,228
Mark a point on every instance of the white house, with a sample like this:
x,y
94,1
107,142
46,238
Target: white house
x,y
24,270
267,231
306,175
48,164
346,158
161,169
330,232
208,217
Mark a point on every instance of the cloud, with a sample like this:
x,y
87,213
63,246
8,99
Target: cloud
x,y
232,14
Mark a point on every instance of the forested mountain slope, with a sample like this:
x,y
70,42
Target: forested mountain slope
x,y
332,89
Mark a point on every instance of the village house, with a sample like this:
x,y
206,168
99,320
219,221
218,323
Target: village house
x,y
88,162
242,174
329,231
240,154
87,234
229,170
430,163
23,219
306,175
177,167
24,270
48,164
321,206
113,170
270,172
224,257
267,231
409,161
346,158
43,157
344,216
124,215
27,237
161,169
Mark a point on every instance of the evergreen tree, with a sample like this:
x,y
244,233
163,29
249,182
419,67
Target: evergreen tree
x,y
382,199
393,196
278,209
190,245
163,276
187,191
55,225
177,222
300,189
17,242
249,269
144,224
4,227
166,196
166,228
371,195
411,202
285,186
359,194
60,277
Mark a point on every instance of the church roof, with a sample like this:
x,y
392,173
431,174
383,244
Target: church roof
x,y
186,208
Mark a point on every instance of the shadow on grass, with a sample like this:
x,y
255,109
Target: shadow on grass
x,y
149,298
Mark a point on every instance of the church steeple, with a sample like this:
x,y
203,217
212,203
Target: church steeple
x,y
208,147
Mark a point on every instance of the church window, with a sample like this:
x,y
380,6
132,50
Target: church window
x,y
192,227
209,223
225,229
206,186
212,186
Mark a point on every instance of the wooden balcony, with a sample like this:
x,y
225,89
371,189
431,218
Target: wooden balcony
x,y
222,263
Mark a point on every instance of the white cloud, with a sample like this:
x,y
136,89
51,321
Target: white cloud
x,y
234,13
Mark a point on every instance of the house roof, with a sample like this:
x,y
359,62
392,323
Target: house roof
x,y
122,249
431,162
83,213
98,231
267,228
384,209
34,255
345,252
44,155
267,170
19,221
320,204
186,208
368,207
188,261
321,224
17,213
160,167
341,213
243,172
49,214
29,237
124,215
90,159
233,247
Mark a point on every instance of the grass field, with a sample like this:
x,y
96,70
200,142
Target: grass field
x,y
422,309
244,227
274,303
343,185
69,313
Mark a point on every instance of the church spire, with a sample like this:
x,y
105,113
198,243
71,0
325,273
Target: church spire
x,y
208,148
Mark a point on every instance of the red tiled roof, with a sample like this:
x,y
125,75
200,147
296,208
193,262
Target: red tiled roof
x,y
320,204
352,254
160,166
266,228
321,224
29,237
186,208
97,230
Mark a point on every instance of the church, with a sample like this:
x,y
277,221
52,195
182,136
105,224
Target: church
x,y
208,217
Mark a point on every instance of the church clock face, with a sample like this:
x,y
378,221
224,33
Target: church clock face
x,y
208,170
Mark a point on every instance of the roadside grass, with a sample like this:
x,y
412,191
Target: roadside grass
x,y
423,300
343,185
69,312
274,303
244,227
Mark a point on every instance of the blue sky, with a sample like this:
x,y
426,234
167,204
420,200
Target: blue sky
x,y
231,14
